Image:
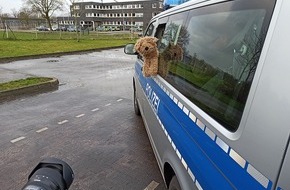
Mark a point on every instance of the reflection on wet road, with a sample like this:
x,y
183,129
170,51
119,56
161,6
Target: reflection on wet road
x,y
89,122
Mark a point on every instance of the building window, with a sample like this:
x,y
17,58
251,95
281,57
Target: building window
x,y
89,14
154,5
139,14
139,24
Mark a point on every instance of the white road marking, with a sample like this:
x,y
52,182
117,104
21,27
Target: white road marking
x,y
95,109
17,139
152,185
41,130
119,100
81,115
108,104
62,122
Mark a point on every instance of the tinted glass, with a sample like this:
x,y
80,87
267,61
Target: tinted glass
x,y
150,29
220,48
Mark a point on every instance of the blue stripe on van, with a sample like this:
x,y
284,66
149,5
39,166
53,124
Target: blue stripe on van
x,y
211,165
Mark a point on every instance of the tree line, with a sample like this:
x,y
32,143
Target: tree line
x,y
37,9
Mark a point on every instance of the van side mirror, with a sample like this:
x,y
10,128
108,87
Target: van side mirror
x,y
129,49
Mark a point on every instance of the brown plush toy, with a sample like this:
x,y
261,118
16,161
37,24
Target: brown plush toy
x,y
147,48
171,55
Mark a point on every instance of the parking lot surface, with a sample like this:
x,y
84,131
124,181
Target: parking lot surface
x,y
89,122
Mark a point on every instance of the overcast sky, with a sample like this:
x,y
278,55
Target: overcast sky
x,y
8,5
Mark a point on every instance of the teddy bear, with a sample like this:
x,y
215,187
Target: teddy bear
x,y
147,48
171,54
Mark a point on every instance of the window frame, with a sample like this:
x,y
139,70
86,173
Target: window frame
x,y
221,7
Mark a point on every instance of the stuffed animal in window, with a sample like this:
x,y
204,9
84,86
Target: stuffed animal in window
x,y
147,48
171,55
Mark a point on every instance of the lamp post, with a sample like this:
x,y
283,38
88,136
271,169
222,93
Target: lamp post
x,y
123,24
93,25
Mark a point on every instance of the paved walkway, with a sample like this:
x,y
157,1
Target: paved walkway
x,y
7,75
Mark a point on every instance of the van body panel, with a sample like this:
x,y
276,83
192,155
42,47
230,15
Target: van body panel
x,y
176,126
153,128
202,152
283,180
266,130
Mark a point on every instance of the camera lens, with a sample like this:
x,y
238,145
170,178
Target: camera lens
x,y
50,174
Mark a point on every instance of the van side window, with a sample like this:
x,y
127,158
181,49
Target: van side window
x,y
173,31
150,29
220,51
170,45
160,32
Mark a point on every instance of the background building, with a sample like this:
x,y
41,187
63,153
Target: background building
x,y
131,15
20,23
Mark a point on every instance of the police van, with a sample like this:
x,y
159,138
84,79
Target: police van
x,y
218,117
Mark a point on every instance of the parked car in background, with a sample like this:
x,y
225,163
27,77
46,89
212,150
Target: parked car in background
x,y
55,28
73,29
117,28
135,29
63,28
42,28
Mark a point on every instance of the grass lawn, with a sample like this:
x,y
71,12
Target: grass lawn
x,y
36,43
22,83
27,43
19,44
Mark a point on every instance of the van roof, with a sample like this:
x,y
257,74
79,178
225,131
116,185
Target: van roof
x,y
185,5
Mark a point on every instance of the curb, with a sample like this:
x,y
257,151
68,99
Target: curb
x,y
39,56
9,95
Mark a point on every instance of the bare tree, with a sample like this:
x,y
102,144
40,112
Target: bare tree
x,y
45,8
2,18
25,14
14,13
1,22
3,15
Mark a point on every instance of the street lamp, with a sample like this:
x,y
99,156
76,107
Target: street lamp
x,y
122,15
93,25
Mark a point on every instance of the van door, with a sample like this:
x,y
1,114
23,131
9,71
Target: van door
x,y
151,98
138,78
283,180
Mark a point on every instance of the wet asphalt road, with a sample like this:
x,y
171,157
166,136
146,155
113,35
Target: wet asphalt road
x,y
89,122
